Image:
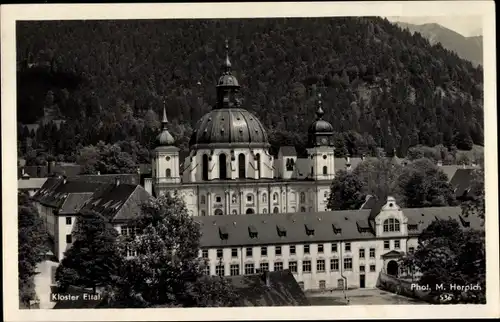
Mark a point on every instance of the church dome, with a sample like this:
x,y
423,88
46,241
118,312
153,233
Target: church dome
x,y
229,127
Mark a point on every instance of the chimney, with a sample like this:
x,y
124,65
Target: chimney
x,y
440,163
117,181
64,179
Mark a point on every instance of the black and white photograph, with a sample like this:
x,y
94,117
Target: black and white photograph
x,y
250,160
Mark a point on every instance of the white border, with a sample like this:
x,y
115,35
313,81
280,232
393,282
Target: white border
x,y
11,13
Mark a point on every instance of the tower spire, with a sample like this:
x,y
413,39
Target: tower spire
x,y
319,111
227,62
164,121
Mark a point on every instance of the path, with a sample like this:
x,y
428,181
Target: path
x,y
43,283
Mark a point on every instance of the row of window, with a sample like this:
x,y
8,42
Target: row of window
x,y
306,250
234,269
276,210
250,198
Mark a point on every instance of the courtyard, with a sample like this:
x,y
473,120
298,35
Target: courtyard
x,y
359,297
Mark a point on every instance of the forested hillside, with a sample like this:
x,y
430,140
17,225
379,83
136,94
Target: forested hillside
x,y
381,86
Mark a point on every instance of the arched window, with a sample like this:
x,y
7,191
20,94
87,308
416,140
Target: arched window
x,y
218,212
222,166
241,166
302,197
203,213
264,197
205,167
275,196
234,212
233,198
276,210
302,209
264,211
257,158
325,170
391,224
202,200
250,211
168,173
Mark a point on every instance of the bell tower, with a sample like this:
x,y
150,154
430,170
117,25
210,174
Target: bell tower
x,y
321,150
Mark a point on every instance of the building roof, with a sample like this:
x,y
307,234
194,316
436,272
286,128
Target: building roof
x,y
310,227
108,178
74,202
117,202
30,183
268,289
301,169
288,151
370,202
55,191
462,181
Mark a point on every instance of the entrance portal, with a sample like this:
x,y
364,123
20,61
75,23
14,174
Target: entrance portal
x,y
362,281
250,211
392,268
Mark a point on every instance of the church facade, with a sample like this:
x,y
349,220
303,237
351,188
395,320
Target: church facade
x,y
230,170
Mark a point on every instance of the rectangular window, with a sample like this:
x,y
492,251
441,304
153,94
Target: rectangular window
x,y
249,251
347,247
204,253
292,266
306,249
387,244
234,252
348,264
292,250
277,250
68,220
306,266
334,264
264,267
219,253
249,269
218,199
320,265
206,270
361,268
263,251
322,285
123,230
219,270
278,266
321,248
69,239
411,250
372,252
372,268
334,248
235,269
361,253
397,244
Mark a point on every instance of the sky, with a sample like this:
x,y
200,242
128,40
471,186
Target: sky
x,y
467,26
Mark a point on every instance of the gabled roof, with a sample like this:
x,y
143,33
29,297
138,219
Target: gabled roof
x,y
288,151
282,290
392,254
117,202
370,202
462,181
55,191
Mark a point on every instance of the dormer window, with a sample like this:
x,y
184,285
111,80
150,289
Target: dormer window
x,y
281,231
412,227
252,231
336,230
223,234
309,230
289,164
391,225
464,222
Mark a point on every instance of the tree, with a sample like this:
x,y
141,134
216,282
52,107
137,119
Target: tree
x,y
167,270
345,192
448,255
379,177
94,259
107,159
476,203
423,184
32,246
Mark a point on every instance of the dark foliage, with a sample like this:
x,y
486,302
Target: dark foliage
x,y
381,85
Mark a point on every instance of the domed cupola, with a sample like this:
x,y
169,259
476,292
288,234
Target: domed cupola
x,y
320,131
228,125
164,138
